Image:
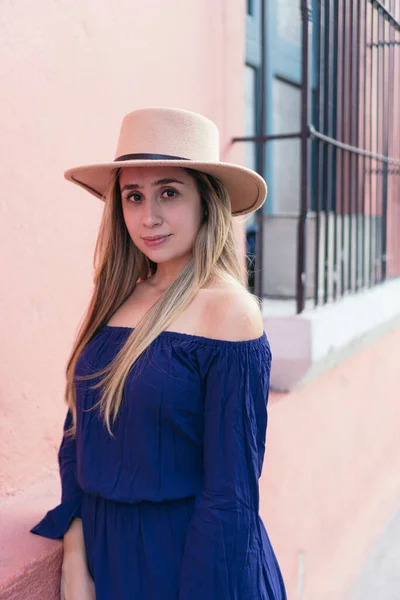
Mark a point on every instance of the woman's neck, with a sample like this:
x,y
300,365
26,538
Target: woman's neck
x,y
166,274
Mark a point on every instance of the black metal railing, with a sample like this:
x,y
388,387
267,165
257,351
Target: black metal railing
x,y
357,119
349,198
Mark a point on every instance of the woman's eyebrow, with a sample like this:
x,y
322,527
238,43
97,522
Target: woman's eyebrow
x,y
166,181
136,186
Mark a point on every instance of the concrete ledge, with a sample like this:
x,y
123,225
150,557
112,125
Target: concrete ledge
x,y
29,564
305,345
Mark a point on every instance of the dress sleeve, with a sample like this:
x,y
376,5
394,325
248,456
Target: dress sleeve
x,y
57,521
224,545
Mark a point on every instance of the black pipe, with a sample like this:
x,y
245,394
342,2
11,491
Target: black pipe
x,y
301,275
258,267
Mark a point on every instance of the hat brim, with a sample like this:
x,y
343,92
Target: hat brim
x,y
246,188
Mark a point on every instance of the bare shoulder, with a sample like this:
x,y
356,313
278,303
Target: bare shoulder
x,y
230,312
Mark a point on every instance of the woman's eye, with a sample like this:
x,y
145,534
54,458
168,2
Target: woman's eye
x,y
169,193
134,197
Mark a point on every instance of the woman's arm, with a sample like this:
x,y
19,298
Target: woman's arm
x,y
76,581
74,546
224,554
58,520
64,522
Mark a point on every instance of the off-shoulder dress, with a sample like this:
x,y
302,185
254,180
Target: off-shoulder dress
x,y
170,504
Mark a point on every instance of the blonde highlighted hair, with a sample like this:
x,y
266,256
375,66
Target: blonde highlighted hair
x,y
119,265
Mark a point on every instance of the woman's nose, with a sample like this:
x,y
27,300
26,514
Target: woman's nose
x,y
151,215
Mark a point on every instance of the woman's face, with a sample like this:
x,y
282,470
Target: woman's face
x,y
162,210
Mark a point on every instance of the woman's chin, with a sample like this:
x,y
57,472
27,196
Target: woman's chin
x,y
162,257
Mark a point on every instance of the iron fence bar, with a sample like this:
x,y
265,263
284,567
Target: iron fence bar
x,y
358,133
378,124
350,148
396,192
390,171
267,138
363,141
334,150
387,44
306,16
372,216
339,153
347,136
353,141
325,147
258,263
343,154
379,114
379,147
391,119
392,49
319,164
367,138
382,141
329,150
385,148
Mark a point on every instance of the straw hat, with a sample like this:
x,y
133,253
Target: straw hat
x,y
174,138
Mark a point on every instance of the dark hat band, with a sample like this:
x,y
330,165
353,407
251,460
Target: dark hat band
x,y
148,157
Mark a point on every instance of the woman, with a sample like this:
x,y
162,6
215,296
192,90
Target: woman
x,y
167,383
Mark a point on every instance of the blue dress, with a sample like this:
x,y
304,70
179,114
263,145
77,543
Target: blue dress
x,y
169,506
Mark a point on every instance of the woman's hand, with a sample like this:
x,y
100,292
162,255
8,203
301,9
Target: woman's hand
x,y
76,582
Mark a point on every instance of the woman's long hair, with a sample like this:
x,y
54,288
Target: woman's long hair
x,y
119,265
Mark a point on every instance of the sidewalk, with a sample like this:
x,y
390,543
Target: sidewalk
x,y
379,577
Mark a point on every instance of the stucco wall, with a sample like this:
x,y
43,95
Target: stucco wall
x,y
330,481
69,71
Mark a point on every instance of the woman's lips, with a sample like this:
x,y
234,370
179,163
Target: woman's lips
x,y
156,241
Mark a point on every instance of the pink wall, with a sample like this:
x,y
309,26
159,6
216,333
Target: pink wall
x,y
69,72
331,475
